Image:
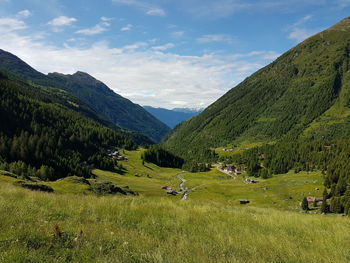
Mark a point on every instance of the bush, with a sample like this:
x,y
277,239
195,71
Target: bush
x,y
305,204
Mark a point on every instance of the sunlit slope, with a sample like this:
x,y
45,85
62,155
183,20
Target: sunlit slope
x,y
303,94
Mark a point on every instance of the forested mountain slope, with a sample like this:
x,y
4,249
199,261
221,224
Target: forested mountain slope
x,y
117,109
46,132
97,95
304,94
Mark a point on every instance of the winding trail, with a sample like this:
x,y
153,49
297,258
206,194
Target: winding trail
x,y
183,190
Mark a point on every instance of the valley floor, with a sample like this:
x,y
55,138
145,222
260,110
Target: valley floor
x,y
75,225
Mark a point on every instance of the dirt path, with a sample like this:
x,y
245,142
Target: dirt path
x,y
183,190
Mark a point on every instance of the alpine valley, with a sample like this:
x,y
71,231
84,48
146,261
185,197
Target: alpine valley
x,y
261,175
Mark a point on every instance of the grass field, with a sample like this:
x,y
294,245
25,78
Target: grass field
x,y
139,229
210,226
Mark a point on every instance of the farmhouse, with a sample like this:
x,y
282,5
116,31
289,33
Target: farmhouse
x,y
231,169
312,199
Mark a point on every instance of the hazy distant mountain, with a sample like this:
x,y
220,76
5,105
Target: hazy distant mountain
x,y
174,116
96,94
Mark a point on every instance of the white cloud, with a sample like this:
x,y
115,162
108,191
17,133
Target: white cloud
x,y
135,46
62,21
298,32
163,47
149,9
156,12
140,71
215,38
177,34
101,27
106,19
128,27
23,14
11,24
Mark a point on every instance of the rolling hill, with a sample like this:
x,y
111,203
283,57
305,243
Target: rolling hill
x,y
98,96
303,95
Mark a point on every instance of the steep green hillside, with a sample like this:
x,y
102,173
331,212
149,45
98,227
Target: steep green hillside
x,y
117,109
46,133
104,101
304,94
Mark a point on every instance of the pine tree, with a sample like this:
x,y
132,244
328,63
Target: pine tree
x,y
324,207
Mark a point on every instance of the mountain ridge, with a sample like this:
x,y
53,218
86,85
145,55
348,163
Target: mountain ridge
x,y
96,94
287,99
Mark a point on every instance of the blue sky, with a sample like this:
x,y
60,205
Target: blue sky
x,y
184,53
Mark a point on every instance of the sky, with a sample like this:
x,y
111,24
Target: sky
x,y
162,53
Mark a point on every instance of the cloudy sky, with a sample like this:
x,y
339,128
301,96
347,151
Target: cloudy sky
x,y
163,53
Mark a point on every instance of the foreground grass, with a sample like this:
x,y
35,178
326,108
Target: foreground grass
x,y
125,229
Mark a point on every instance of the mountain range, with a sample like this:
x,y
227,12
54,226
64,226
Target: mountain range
x,y
109,105
174,116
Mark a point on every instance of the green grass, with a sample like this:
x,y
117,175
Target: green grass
x,y
241,147
210,226
125,229
282,191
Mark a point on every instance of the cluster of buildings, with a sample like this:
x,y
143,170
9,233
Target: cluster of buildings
x,y
115,155
231,169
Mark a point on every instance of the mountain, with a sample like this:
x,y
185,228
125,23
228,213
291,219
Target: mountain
x,y
172,117
114,107
303,95
49,134
94,93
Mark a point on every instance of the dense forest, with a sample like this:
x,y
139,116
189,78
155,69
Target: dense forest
x,y
46,134
157,155
161,157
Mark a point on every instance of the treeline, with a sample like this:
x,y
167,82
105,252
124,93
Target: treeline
x,y
332,158
51,140
193,166
161,157
157,155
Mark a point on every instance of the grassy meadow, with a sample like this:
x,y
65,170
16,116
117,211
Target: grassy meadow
x,y
129,229
74,225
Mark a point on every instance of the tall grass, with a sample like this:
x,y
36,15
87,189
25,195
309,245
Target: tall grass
x,y
125,229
